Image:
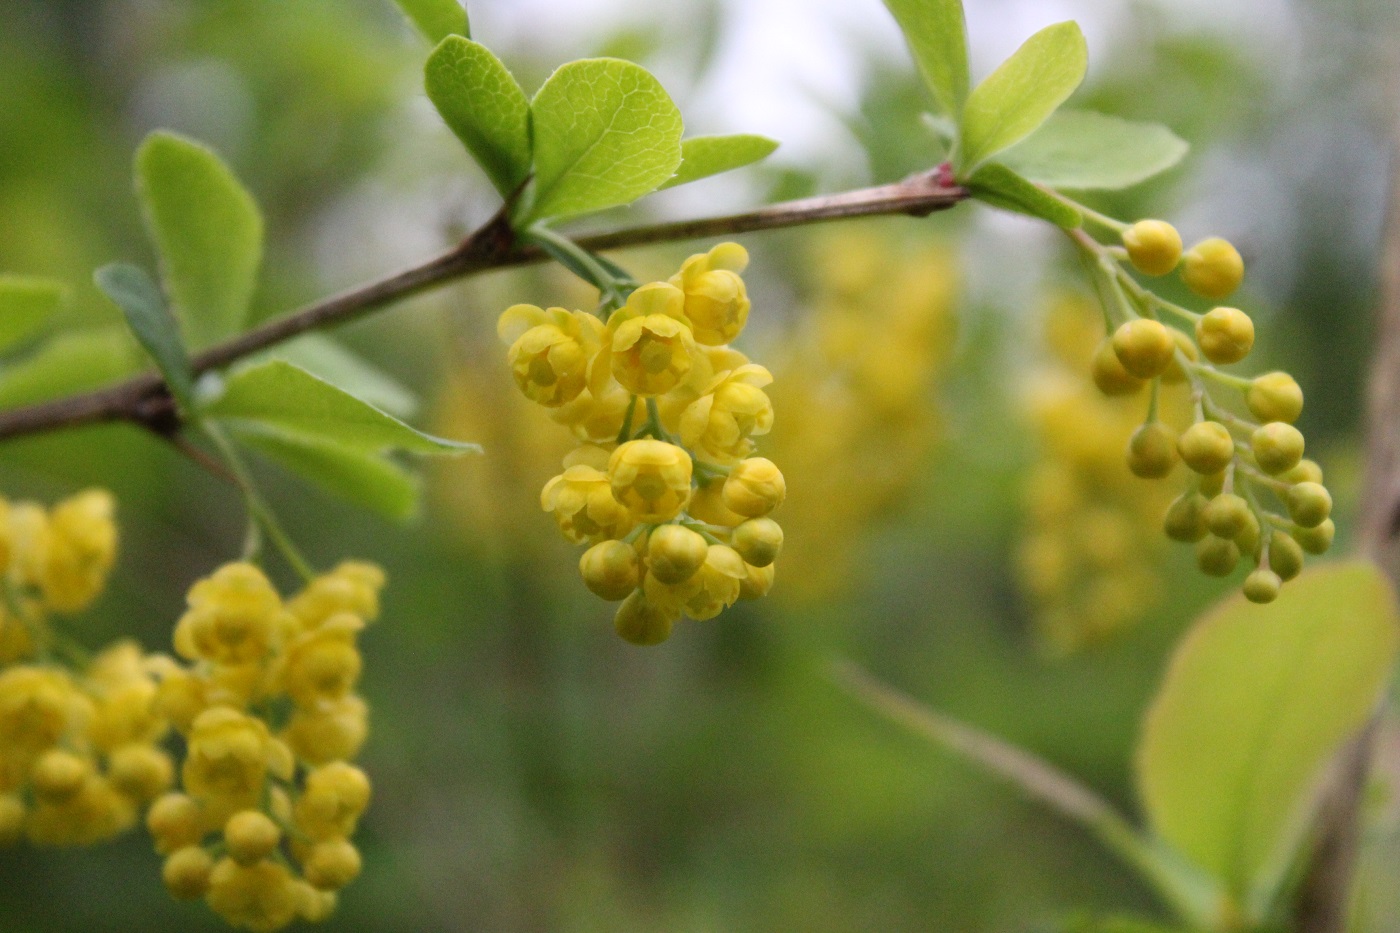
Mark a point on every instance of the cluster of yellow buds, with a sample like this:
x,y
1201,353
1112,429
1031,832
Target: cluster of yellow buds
x,y
79,739
1088,559
663,485
269,716
856,381
1251,494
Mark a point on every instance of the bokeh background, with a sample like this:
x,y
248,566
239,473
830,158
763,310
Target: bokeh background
x,y
533,772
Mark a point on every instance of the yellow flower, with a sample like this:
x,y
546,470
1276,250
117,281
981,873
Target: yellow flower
x,y
92,813
550,351
351,587
329,731
235,617
719,425
755,487
597,415
651,478
707,593
125,708
336,795
716,301
323,664
261,897
38,706
582,502
81,547
227,761
649,348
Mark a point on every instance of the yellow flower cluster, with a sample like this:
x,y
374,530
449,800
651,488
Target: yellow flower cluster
x,y
260,824
663,484
1252,494
856,382
79,741
1087,559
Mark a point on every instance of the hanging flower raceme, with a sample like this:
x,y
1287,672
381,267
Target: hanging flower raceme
x,y
1250,495
267,799
664,485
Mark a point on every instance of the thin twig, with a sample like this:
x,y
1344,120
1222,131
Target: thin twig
x,y
145,399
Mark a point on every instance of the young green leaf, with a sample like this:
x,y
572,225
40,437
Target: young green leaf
x,y
1253,706
998,186
437,19
26,304
485,107
208,231
339,365
1084,150
937,36
1021,94
365,479
69,362
279,396
606,133
703,156
139,298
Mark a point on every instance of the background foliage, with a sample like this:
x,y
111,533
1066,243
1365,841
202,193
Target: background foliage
x,y
532,771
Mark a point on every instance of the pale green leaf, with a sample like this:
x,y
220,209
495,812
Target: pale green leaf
x,y
436,19
1021,94
366,479
484,106
1084,150
290,400
208,232
1254,704
343,367
72,361
703,156
605,133
26,304
997,185
937,36
139,298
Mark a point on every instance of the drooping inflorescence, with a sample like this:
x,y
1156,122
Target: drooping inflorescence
x,y
663,486
1252,495
265,704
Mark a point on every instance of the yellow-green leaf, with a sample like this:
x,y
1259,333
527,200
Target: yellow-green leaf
x,y
1255,702
208,231
1021,94
68,362
1084,150
937,35
485,107
997,185
437,19
605,133
703,156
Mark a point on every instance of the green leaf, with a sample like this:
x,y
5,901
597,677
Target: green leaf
x,y
1255,702
337,364
1000,187
937,36
437,19
484,106
139,298
26,304
72,361
279,396
208,231
703,156
1022,93
606,133
1084,150
365,479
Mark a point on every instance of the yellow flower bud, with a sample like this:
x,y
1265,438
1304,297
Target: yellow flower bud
x,y
757,581
332,864
1212,268
175,821
1285,556
329,731
642,623
1226,335
251,836
1154,246
1152,450
1262,586
1275,397
1308,504
1278,447
1185,519
1318,539
759,541
336,795
675,553
716,301
1109,374
755,487
58,775
186,872
1227,516
140,771
611,569
1217,557
260,897
1206,447
1145,347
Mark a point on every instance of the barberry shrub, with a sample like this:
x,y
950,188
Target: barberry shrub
x,y
235,749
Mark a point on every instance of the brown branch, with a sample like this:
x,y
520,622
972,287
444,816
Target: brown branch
x,y
1323,900
145,400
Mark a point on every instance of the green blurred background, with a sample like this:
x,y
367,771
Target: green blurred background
x,y
532,771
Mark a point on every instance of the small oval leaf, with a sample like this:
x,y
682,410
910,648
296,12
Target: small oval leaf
x,y
605,133
1255,702
1084,150
937,36
436,19
140,300
1022,93
482,104
703,156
